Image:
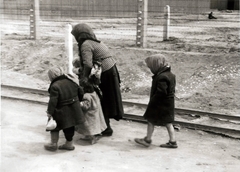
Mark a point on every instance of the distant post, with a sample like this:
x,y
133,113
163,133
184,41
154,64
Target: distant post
x,y
69,47
34,19
166,23
142,23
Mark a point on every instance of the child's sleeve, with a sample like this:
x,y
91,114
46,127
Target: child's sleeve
x,y
80,93
53,100
161,90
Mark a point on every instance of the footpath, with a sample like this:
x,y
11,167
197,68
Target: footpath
x,y
23,136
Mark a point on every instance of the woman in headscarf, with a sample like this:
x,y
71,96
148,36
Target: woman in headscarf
x,y
91,52
63,107
160,109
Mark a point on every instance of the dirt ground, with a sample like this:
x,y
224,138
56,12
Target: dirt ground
x,y
23,137
207,69
204,55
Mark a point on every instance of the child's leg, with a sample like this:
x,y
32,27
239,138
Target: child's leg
x,y
150,129
146,141
68,133
171,132
54,140
172,140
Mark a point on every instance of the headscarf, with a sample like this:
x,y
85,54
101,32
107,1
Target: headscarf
x,y
157,63
54,72
83,32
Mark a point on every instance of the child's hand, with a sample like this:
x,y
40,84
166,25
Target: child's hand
x,y
49,115
75,70
81,104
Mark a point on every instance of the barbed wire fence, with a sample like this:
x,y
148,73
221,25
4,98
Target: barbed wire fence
x,y
118,21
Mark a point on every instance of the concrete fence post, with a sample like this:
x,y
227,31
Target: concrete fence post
x,y
142,23
166,23
34,19
69,47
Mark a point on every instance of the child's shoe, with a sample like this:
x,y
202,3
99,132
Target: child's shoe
x,y
143,141
93,140
67,146
51,146
85,138
169,145
54,140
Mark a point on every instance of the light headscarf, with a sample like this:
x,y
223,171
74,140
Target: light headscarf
x,y
157,63
54,72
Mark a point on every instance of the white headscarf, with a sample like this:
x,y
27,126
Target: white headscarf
x,y
54,72
157,63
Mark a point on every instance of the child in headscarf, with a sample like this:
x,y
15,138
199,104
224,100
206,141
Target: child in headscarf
x,y
160,109
63,107
93,114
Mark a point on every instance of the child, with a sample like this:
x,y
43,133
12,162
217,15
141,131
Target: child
x,y
95,71
63,107
160,109
92,110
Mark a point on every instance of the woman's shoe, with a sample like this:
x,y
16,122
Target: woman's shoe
x,y
143,141
107,132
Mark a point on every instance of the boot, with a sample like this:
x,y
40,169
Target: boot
x,y
108,131
54,140
67,146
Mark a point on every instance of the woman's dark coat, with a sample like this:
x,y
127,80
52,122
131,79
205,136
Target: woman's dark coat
x,y
64,105
160,110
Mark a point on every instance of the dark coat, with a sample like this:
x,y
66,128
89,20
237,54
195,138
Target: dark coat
x,y
160,109
64,105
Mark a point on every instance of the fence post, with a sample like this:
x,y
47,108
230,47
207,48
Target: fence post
x,y
142,23
166,23
34,19
69,47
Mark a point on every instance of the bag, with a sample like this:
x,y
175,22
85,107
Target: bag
x,y
95,74
96,70
51,124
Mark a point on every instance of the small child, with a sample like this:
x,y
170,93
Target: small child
x,y
95,71
160,109
63,107
91,106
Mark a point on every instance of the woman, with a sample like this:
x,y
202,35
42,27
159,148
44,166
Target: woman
x,y
91,52
63,107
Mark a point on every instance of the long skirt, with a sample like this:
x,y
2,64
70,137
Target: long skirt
x,y
111,95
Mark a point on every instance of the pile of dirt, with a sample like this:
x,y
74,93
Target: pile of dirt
x,y
204,81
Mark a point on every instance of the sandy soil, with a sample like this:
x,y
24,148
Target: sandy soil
x,y
207,70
